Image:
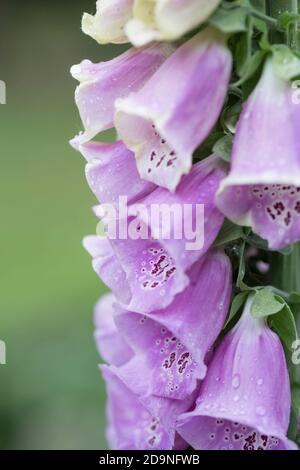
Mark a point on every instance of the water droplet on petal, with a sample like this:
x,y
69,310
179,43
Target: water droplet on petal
x,y
260,410
236,381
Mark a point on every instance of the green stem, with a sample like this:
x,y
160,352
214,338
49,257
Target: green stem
x,y
285,270
294,40
261,16
275,8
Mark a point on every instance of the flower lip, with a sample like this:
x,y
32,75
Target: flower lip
x,y
161,154
238,433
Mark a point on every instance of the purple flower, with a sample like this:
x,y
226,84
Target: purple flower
x,y
146,272
172,344
108,267
166,19
132,423
111,172
262,189
244,401
174,112
101,84
111,345
131,426
107,25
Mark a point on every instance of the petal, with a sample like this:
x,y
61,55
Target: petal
x,y
166,19
239,388
107,25
177,17
111,172
262,189
109,341
205,433
161,123
151,273
107,267
156,259
131,426
175,341
101,84
196,221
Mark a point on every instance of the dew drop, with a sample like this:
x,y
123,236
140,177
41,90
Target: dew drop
x,y
236,381
260,410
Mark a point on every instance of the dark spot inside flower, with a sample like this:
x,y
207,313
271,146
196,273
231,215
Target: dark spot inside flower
x,y
287,219
154,284
160,160
169,362
151,441
279,207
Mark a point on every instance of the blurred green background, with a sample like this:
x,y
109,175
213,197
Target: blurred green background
x,y
51,393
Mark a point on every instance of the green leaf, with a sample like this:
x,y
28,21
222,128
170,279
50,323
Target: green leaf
x,y
294,298
206,147
242,270
228,233
265,304
223,147
230,20
287,250
244,47
236,306
287,19
286,64
257,241
251,66
284,324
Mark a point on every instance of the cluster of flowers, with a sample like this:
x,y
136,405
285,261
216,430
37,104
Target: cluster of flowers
x,y
173,380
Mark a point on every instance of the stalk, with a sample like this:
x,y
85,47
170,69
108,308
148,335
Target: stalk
x,y
275,8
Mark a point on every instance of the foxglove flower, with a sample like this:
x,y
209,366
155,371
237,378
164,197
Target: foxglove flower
x,y
244,401
262,189
111,172
107,25
107,266
147,270
172,344
131,426
101,84
167,119
166,19
111,345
